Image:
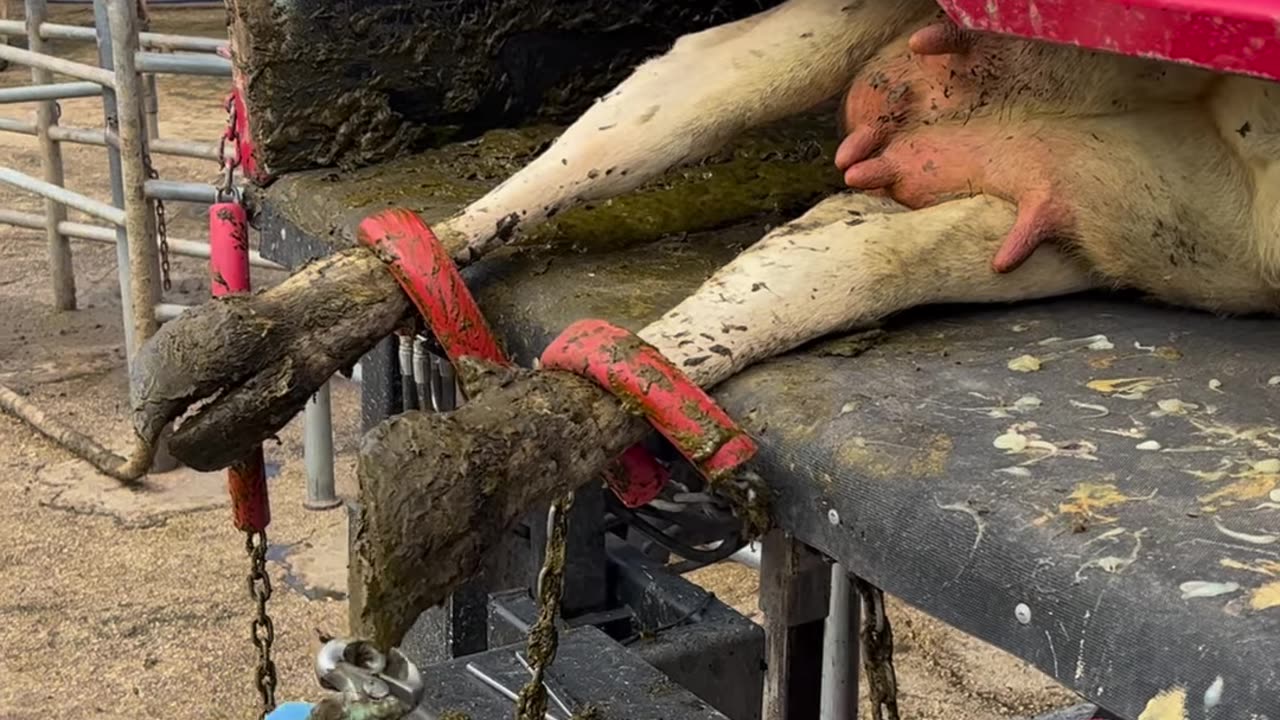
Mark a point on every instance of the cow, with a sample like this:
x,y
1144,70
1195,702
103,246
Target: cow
x,y
980,168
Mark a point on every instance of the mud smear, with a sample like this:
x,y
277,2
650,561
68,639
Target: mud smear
x,y
775,169
385,77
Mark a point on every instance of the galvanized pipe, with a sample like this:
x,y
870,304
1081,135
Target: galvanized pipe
x,y
17,126
448,378
60,270
143,255
95,136
168,311
184,64
153,107
47,90
116,175
840,649
82,136
317,451
408,389
70,229
182,191
422,373
165,41
98,233
185,148
159,41
88,205
58,65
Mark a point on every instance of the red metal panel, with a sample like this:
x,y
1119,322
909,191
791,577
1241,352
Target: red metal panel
x,y
1238,36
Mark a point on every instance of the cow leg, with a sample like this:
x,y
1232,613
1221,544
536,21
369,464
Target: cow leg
x,y
689,103
850,261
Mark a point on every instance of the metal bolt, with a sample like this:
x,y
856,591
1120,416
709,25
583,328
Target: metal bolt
x,y
376,689
1023,613
833,517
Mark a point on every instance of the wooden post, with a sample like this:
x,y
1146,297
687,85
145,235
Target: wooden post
x,y
64,280
795,587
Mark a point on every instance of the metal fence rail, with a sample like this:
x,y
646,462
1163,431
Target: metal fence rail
x,y
124,78
158,41
128,61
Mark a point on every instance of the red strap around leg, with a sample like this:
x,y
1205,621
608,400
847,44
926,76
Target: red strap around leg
x,y
427,274
635,371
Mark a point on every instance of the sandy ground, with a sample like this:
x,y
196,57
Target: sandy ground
x,y
127,605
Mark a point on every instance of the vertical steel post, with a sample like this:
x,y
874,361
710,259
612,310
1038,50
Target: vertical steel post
x,y
317,451
153,106
136,255
64,279
408,389
4,39
149,79
110,116
840,649
448,384
422,373
143,256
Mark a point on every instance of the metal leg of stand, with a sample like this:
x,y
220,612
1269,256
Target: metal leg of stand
x,y
795,585
840,655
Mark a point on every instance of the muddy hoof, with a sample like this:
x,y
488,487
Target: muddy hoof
x,y
254,360
438,491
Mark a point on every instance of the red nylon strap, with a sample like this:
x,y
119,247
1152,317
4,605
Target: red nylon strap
x,y
419,262
630,368
426,273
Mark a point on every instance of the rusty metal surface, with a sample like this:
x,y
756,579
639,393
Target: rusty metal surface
x,y
1236,36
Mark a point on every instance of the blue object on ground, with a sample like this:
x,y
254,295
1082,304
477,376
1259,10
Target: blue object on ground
x,y
290,711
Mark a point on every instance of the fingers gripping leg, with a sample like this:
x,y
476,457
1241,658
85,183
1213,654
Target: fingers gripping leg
x,y
689,103
850,261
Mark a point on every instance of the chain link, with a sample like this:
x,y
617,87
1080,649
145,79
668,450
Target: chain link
x,y
876,635
263,629
226,185
264,633
162,227
543,636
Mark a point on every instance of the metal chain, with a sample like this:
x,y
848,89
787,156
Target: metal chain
x,y
877,651
255,541
543,635
264,633
162,226
226,186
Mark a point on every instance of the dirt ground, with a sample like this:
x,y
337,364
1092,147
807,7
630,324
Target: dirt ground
x,y
128,605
